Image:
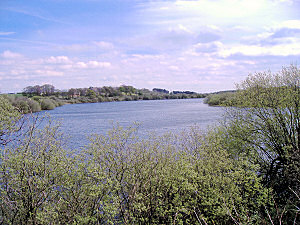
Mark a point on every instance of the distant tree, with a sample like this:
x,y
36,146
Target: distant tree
x,y
184,92
82,91
108,91
47,89
72,92
91,93
160,90
127,89
37,90
29,90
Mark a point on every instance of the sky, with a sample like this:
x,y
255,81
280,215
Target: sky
x,y
195,45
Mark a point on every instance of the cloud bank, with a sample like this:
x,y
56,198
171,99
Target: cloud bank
x,y
201,46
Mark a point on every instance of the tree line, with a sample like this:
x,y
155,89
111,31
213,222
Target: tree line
x,y
108,91
243,171
47,97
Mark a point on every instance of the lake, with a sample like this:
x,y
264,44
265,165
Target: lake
x,y
158,116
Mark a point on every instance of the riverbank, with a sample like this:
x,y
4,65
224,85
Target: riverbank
x,y
34,101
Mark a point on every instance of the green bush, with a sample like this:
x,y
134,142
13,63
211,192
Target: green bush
x,y
167,180
100,99
128,98
265,126
60,103
22,105
33,106
9,118
36,98
146,97
221,99
47,104
121,179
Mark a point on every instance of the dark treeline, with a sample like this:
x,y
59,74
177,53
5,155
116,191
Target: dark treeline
x,y
47,97
244,171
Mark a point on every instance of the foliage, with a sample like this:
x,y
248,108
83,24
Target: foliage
x,y
46,90
31,172
9,118
171,180
244,172
23,104
33,106
266,124
45,97
221,99
120,178
47,104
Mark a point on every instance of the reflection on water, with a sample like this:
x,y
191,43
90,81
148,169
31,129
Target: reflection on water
x,y
159,116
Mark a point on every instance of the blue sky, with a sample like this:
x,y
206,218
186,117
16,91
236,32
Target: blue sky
x,y
197,45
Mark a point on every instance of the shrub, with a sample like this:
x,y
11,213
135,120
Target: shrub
x,y
47,104
266,126
9,118
36,98
121,179
170,180
22,105
146,97
221,99
33,105
100,99
31,174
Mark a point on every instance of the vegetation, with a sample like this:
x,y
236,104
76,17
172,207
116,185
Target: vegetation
x,y
267,122
122,179
46,97
223,98
9,118
246,171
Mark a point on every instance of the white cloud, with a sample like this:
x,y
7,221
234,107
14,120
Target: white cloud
x,y
104,45
292,24
92,65
223,8
205,10
174,68
58,60
285,33
49,73
10,55
290,49
6,33
171,39
96,64
81,65
195,14
208,47
284,1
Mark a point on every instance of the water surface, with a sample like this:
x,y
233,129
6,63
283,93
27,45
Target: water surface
x,y
159,116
